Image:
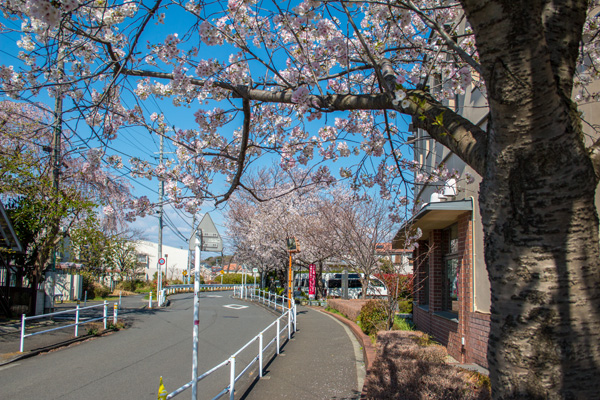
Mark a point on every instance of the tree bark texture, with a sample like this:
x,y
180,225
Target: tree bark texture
x,y
537,204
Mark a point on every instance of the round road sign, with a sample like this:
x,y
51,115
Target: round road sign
x,y
162,261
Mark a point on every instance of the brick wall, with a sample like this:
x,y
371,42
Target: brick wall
x,y
472,326
478,331
435,270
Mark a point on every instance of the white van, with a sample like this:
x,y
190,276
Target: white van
x,y
333,285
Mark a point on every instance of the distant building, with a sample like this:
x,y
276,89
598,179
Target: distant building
x,y
232,269
176,259
401,259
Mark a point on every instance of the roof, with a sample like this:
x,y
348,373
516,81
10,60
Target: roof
x,y
386,248
232,267
438,215
8,237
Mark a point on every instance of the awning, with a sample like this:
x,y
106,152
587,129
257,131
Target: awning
x,y
438,215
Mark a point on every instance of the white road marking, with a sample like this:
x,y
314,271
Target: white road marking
x,y
7,366
213,295
235,306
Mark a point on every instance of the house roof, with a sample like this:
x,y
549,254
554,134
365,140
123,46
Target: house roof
x,y
386,248
232,267
8,237
438,215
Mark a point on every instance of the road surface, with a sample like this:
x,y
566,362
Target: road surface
x,y
127,364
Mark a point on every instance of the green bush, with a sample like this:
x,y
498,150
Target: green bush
x,y
131,286
100,291
405,306
372,316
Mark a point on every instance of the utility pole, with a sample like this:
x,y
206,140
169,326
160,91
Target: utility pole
x,y
56,144
161,192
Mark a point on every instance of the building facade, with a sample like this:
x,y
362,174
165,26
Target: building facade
x,y
176,260
400,259
452,296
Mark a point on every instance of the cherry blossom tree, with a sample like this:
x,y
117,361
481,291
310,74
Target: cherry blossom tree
x,y
49,209
278,205
331,80
356,225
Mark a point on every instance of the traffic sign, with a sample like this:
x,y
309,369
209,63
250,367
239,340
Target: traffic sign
x,y
254,270
210,238
162,261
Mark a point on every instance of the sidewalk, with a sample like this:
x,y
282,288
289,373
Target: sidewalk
x,y
10,331
322,361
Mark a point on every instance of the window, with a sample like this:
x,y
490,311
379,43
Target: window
x,y
450,271
354,283
453,239
334,283
450,285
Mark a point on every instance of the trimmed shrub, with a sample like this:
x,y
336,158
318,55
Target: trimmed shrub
x,y
373,316
404,369
350,308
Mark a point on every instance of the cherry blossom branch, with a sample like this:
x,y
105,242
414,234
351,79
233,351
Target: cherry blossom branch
x,y
434,25
242,154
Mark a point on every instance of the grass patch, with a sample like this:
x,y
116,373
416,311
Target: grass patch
x,y
109,298
334,311
402,324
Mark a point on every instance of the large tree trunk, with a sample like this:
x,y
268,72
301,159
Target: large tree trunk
x,y
537,205
541,240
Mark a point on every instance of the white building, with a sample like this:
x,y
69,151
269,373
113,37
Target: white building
x,y
176,259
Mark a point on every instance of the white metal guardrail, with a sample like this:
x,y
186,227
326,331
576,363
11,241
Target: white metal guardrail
x,y
272,333
171,289
78,320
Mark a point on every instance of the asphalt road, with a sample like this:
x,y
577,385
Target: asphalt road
x,y
127,364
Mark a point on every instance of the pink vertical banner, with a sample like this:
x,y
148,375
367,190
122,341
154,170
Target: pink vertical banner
x,y
312,280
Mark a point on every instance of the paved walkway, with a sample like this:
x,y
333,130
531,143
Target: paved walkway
x,y
322,361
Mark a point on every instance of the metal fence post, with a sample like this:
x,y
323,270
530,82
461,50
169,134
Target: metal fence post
x,y
77,321
289,324
232,379
260,355
278,332
105,312
196,332
22,332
